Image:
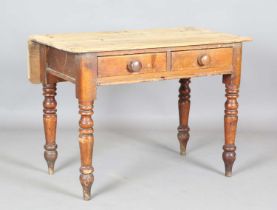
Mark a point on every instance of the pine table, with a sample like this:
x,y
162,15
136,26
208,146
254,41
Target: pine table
x,y
93,59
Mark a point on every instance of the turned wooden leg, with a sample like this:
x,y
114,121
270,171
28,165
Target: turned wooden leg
x,y
230,126
232,84
86,94
50,124
184,107
86,141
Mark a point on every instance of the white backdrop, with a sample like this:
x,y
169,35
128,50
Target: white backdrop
x,y
21,101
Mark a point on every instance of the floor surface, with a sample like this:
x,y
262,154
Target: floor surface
x,y
138,167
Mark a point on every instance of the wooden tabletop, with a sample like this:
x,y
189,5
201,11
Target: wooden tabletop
x,y
135,39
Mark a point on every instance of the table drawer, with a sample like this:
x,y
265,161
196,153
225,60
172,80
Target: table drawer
x,y
203,61
131,64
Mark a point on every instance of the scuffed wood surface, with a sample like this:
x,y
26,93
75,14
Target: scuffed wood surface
x,y
135,78
34,62
188,60
136,39
109,66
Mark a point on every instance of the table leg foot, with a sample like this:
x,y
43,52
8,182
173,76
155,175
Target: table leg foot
x,y
183,137
50,170
229,157
184,108
86,182
50,155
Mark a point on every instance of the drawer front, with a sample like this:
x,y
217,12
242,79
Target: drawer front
x,y
131,64
203,61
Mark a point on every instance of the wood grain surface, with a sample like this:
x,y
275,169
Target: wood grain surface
x,y
134,39
118,65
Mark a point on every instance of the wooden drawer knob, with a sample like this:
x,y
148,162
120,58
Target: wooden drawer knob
x,y
204,60
134,66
